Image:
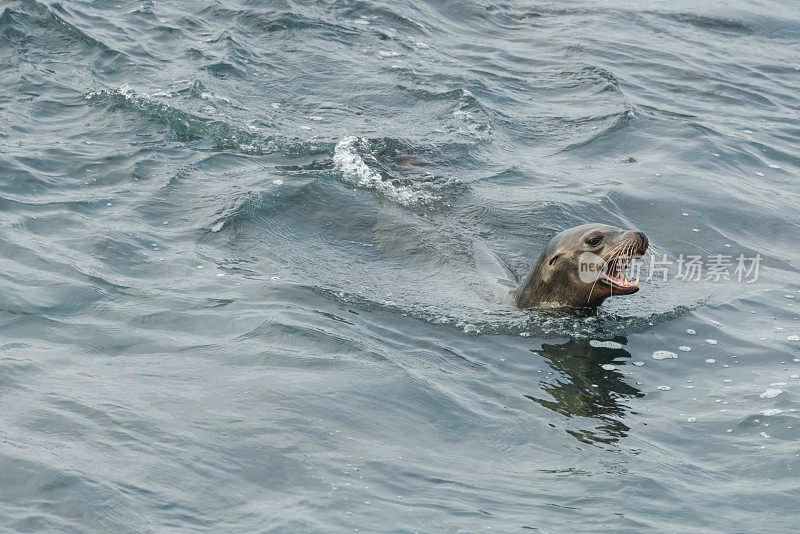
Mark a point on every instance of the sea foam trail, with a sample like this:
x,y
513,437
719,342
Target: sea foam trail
x,y
355,170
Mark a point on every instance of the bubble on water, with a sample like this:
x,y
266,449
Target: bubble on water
x,y
638,364
775,384
605,344
608,366
690,331
277,181
525,334
664,355
759,174
763,434
793,338
771,393
691,419
689,387
794,376
772,166
715,155
684,348
685,214
771,411
728,430
712,341
217,227
664,388
711,360
695,229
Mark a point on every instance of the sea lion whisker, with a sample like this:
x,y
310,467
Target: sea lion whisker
x,y
602,269
612,256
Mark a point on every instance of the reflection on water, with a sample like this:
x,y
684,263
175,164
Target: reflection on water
x,y
582,387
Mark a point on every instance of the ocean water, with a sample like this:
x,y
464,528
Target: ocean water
x,y
247,249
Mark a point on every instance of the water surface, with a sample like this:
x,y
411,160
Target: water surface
x,y
243,265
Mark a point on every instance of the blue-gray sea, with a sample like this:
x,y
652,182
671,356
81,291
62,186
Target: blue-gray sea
x,y
244,249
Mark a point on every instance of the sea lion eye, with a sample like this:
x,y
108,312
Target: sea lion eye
x,y
553,259
594,241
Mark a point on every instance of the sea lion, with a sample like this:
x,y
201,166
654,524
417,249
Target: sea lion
x,y
581,267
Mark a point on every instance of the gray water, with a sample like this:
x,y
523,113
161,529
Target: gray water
x,y
244,281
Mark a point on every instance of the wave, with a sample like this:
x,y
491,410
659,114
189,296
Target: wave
x,y
351,156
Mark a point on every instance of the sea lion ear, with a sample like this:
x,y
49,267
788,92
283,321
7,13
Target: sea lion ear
x,y
553,259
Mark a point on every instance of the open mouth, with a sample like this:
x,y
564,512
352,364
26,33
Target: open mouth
x,y
614,272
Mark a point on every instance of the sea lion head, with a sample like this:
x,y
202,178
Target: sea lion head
x,y
581,267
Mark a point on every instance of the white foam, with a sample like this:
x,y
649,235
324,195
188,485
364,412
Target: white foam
x,y
711,360
664,388
793,338
355,170
690,331
608,366
771,411
684,348
771,393
605,344
217,227
664,355
712,341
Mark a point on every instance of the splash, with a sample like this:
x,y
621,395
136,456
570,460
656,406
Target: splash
x,y
348,160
